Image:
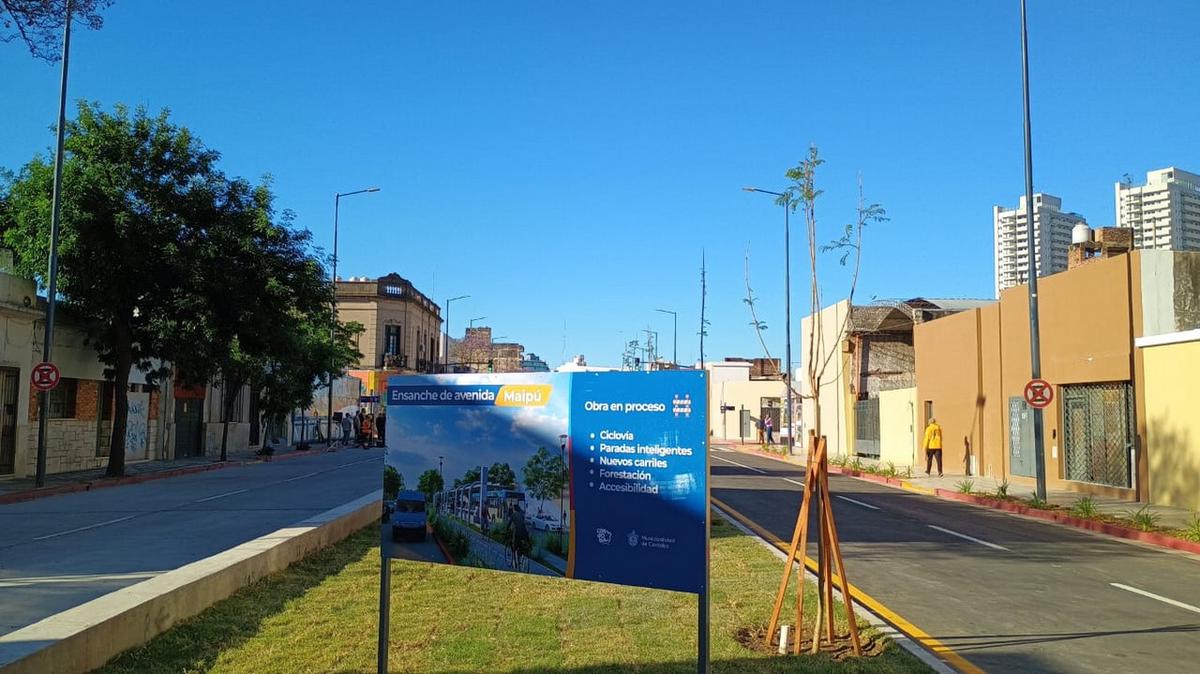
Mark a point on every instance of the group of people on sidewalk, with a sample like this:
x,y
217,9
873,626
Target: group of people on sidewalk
x,y
366,429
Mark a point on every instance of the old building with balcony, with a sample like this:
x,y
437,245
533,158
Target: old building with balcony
x,y
401,325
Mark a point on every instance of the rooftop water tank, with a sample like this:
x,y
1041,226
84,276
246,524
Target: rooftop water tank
x,y
1081,233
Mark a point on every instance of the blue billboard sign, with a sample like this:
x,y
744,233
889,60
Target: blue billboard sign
x,y
592,475
638,474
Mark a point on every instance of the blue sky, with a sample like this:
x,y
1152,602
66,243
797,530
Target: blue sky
x,y
565,163
470,436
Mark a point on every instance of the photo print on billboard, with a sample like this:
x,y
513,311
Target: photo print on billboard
x,y
590,475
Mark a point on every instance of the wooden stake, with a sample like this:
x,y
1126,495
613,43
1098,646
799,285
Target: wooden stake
x,y
798,534
816,484
836,550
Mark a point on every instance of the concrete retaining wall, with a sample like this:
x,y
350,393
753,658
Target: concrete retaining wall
x,y
87,636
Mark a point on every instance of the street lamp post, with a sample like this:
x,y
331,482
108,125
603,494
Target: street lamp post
x,y
1035,347
446,362
471,323
675,338
562,510
785,199
52,280
337,203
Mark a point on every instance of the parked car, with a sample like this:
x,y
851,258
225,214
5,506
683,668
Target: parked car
x,y
408,516
543,522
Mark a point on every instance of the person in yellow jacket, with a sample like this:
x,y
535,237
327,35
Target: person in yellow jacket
x,y
933,446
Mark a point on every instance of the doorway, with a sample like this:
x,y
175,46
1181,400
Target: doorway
x,y
8,419
189,427
1098,433
1021,459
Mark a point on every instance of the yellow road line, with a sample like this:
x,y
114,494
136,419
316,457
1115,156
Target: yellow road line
x,y
913,632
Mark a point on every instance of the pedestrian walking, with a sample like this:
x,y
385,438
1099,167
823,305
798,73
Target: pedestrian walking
x,y
381,427
933,446
347,429
770,426
367,430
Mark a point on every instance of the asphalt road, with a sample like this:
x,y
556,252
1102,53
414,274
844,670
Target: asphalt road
x,y
60,551
1006,593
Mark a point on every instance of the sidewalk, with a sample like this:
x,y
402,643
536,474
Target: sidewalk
x,y
1169,516
22,489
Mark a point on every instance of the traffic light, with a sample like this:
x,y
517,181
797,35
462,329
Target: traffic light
x,y
491,365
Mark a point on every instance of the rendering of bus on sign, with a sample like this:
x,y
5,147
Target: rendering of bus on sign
x,y
592,475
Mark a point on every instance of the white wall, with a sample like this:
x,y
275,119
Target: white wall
x,y
828,351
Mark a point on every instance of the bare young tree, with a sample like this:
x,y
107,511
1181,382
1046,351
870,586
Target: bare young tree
x,y
39,23
802,195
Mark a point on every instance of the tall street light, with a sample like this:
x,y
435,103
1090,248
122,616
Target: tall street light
x,y
52,280
785,200
562,509
471,323
337,204
1035,347
446,362
675,338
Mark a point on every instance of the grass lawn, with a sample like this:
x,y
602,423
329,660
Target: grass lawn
x,y
320,616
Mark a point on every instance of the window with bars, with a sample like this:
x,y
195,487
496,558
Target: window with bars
x,y
60,402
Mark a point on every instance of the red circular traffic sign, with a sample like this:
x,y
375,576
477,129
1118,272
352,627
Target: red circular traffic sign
x,y
44,376
1039,393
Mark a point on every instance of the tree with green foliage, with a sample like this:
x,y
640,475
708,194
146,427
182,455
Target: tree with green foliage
x,y
469,477
429,483
198,270
39,23
502,474
545,476
393,483
138,192
268,289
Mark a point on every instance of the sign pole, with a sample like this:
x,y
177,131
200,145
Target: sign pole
x,y
385,601
52,281
1035,347
702,665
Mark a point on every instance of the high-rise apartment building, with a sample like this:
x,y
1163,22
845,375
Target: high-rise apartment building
x,y
1051,233
1164,213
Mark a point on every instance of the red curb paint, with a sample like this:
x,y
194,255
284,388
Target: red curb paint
x,y
1106,528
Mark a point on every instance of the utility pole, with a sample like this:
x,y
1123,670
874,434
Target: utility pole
x,y
703,297
675,338
52,280
1035,346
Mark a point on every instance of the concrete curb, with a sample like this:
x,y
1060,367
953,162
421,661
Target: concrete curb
x,y
1099,527
83,638
104,483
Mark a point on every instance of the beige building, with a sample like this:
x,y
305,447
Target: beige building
x,y
478,352
738,400
1118,348
401,325
865,358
